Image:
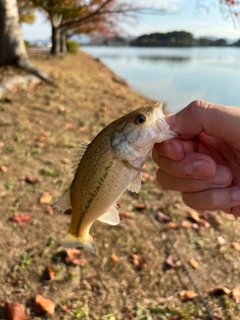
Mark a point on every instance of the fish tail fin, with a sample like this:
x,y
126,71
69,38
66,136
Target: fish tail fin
x,y
71,241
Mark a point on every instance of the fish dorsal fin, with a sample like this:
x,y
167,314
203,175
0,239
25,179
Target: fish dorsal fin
x,y
110,217
64,201
136,183
76,154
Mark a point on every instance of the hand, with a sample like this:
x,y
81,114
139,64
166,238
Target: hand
x,y
204,164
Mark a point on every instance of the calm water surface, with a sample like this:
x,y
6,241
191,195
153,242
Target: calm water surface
x,y
177,76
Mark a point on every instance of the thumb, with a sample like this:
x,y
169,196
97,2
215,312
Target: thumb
x,y
213,119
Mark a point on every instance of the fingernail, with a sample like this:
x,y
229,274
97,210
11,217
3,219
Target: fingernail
x,y
235,195
199,169
222,176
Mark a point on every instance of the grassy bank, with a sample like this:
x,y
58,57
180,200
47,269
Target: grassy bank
x,y
128,278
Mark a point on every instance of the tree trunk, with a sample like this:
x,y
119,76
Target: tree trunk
x,y
12,47
56,41
63,40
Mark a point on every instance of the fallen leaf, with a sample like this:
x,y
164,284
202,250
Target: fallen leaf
x,y
236,246
193,214
138,261
219,290
65,160
187,295
45,198
194,263
171,263
203,223
4,169
114,259
140,206
186,224
49,210
46,304
124,215
15,311
21,218
221,240
216,316
73,257
50,273
30,180
171,225
40,145
236,294
162,217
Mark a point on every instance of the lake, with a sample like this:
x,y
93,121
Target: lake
x,y
176,76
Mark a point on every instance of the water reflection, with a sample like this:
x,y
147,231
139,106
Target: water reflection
x,y
177,75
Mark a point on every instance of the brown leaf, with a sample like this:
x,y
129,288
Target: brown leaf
x,y
28,179
50,273
186,224
15,311
162,217
138,261
124,215
187,295
45,198
49,210
21,218
4,169
193,214
140,206
219,290
114,259
236,246
171,225
65,160
171,263
194,263
73,257
203,223
46,304
236,294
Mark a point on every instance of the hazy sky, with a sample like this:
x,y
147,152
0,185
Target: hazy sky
x,y
187,18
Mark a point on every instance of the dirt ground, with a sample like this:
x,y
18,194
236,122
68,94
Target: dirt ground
x,y
129,276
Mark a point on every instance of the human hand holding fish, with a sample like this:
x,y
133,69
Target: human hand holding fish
x,y
108,166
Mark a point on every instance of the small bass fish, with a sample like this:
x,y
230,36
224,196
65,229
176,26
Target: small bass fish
x,y
108,166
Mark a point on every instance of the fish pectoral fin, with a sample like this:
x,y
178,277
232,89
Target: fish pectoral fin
x,y
71,241
136,183
111,216
76,154
64,201
130,166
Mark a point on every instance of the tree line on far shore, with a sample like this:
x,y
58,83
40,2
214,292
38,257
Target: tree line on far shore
x,y
170,39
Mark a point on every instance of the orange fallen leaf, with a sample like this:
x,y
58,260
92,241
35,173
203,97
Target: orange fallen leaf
x,y
140,206
73,257
15,311
46,304
187,295
219,290
193,214
236,246
194,263
186,224
114,259
4,169
236,294
124,215
138,261
65,160
203,223
171,225
21,218
30,180
45,198
50,273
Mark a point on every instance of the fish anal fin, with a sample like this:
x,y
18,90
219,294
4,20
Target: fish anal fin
x,y
136,183
111,216
76,154
71,241
64,201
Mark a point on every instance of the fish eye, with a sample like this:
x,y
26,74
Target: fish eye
x,y
140,119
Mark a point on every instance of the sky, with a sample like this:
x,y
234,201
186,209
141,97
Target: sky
x,y
183,16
